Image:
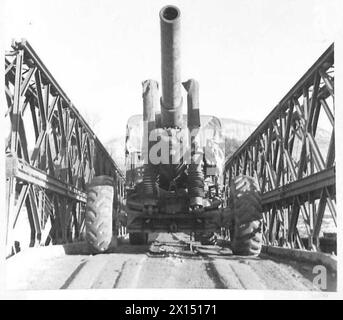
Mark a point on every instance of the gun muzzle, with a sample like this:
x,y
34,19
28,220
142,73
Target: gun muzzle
x,y
171,101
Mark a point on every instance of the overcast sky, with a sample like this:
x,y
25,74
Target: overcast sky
x,y
245,54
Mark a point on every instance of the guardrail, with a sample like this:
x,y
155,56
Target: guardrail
x,y
51,154
294,160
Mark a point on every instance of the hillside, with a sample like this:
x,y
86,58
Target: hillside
x,y
235,132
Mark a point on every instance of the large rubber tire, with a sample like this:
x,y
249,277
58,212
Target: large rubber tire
x,y
138,238
247,209
99,213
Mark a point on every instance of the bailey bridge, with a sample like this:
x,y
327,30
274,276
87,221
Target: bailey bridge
x,y
52,153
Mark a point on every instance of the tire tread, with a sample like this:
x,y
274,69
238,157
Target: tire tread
x,y
99,209
246,204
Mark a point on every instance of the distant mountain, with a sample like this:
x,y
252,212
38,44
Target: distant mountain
x,y
234,131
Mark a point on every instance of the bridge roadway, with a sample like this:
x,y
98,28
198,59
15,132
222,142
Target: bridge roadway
x,y
167,262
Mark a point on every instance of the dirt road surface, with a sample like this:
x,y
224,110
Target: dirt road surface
x,y
167,262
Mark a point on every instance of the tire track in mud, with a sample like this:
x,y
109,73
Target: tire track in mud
x,y
214,275
237,277
231,280
119,275
210,268
174,262
74,274
170,263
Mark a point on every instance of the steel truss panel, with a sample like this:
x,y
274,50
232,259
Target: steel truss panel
x,y
52,153
292,161
19,169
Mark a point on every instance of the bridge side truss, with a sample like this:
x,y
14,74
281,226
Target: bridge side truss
x,y
51,154
294,160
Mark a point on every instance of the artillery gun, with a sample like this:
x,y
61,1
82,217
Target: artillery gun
x,y
174,178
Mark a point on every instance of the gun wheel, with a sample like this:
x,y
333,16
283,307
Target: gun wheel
x,y
247,209
99,229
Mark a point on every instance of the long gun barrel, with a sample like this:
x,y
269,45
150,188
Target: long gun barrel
x,y
171,101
